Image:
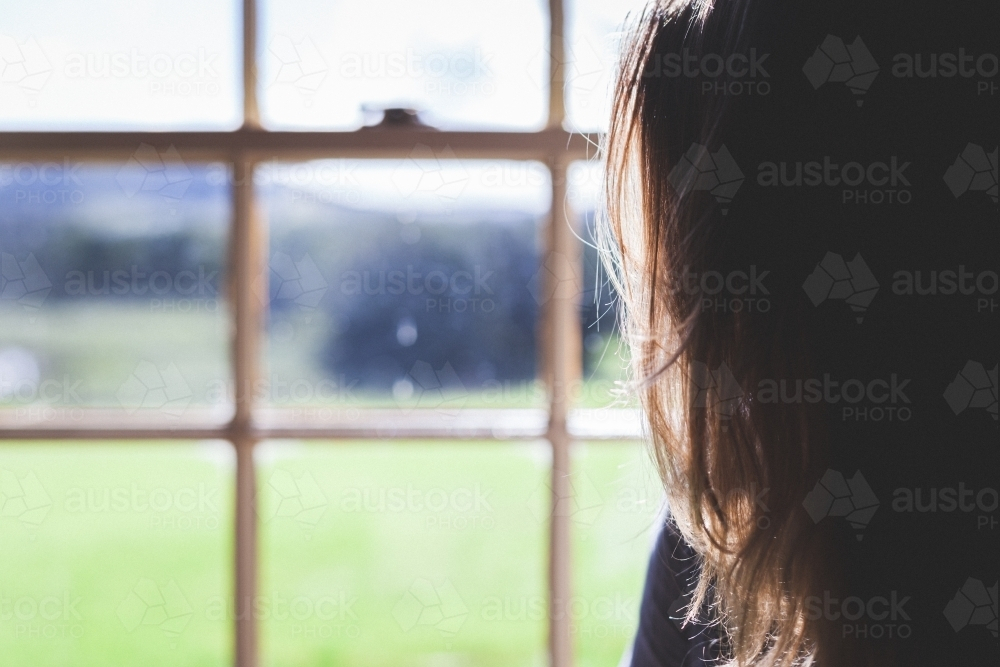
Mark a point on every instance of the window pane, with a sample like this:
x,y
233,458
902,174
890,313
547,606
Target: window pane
x,y
403,554
605,354
461,63
120,64
111,288
614,522
115,554
594,30
410,283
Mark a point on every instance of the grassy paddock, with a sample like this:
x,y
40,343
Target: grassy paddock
x,y
371,554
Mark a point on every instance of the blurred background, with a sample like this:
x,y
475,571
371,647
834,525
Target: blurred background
x,y
404,284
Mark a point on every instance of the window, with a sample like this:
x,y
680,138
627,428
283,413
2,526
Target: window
x,y
319,378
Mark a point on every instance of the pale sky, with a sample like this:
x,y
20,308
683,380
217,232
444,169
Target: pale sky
x,y
174,64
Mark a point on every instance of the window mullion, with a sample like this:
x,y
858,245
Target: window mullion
x,y
249,279
560,355
251,110
557,65
562,361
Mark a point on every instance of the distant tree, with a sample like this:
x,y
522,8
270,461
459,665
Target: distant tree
x,y
459,296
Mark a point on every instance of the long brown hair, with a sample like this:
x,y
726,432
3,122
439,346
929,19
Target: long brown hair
x,y
734,470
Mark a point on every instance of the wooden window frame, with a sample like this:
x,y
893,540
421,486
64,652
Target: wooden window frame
x,y
560,342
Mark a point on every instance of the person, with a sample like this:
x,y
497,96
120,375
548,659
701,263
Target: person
x,y
801,225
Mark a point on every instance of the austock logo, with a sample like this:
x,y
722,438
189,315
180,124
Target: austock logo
x,y
602,617
24,64
582,503
875,617
733,292
121,282
279,607
702,170
23,498
150,388
973,171
299,498
854,283
868,182
424,604
428,174
736,74
949,65
163,508
168,74
948,282
949,499
836,496
836,62
581,66
149,170
834,279
23,281
973,387
411,499
557,278
39,616
973,604
300,282
716,390
149,604
873,400
423,388
877,182
297,64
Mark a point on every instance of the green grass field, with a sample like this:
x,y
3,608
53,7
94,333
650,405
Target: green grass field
x,y
87,351
371,554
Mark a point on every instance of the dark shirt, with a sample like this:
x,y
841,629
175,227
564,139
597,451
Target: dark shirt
x,y
664,639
